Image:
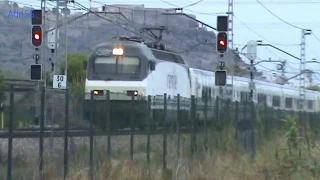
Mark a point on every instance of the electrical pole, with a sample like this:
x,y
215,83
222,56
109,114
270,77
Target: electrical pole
x,y
283,66
230,33
251,84
43,52
56,38
251,55
230,24
66,33
302,77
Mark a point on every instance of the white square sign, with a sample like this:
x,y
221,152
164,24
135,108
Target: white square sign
x,y
59,82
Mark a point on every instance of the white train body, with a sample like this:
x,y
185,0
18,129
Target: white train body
x,y
172,76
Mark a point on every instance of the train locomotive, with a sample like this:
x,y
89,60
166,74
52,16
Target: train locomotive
x,y
130,68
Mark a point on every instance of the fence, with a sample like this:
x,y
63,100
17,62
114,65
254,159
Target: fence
x,y
245,121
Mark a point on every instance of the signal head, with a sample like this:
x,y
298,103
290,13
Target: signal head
x,y
222,42
36,36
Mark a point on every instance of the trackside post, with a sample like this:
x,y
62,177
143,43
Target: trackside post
x,y
164,158
131,127
92,117
252,139
41,131
11,109
193,125
236,116
66,134
149,129
178,125
108,124
205,123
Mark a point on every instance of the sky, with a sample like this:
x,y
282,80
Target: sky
x,y
252,22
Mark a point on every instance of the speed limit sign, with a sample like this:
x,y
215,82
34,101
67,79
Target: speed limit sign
x,y
59,82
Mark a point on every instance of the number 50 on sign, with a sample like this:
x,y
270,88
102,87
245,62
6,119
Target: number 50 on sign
x,y
59,82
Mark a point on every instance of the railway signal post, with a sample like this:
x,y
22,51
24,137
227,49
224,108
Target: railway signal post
x,y
222,47
252,55
36,39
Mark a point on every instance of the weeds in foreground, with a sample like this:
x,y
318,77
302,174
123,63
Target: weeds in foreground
x,y
288,155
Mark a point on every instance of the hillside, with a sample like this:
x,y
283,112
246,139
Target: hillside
x,y
185,36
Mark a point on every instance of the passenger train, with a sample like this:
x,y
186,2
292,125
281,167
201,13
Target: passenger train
x,y
130,68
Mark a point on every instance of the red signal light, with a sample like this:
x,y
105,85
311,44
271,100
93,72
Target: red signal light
x,y
36,36
222,43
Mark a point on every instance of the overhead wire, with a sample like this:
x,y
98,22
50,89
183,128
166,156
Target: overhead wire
x,y
278,16
189,46
316,36
290,24
311,50
171,4
193,4
261,35
250,30
184,8
239,21
111,21
240,2
117,15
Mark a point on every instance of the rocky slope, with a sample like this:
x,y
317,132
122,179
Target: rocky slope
x,y
197,45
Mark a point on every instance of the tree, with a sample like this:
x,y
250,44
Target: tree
x,y
314,88
76,72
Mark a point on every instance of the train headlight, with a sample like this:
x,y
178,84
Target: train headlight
x,y
117,51
97,92
132,93
135,93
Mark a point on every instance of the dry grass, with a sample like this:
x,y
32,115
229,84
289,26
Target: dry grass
x,y
227,160
221,165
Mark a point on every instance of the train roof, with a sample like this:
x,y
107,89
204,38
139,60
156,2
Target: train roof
x,y
257,82
270,84
124,43
158,54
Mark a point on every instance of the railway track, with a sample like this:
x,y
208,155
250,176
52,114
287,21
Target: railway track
x,y
78,132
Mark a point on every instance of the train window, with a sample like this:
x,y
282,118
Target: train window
x,y
300,103
165,56
310,104
105,65
229,92
127,65
202,92
262,98
288,103
244,96
276,101
179,59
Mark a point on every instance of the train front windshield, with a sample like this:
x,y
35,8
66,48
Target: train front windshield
x,y
113,65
